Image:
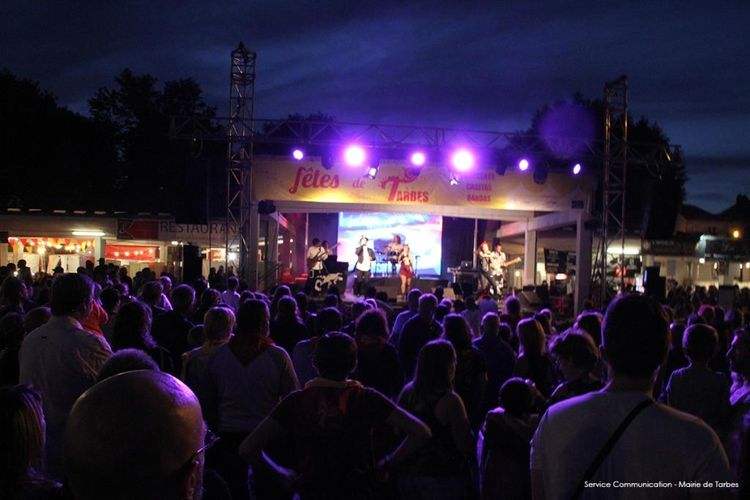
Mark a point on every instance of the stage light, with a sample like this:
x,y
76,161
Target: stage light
x,y
736,234
454,180
355,156
372,172
418,158
298,154
523,165
462,160
577,169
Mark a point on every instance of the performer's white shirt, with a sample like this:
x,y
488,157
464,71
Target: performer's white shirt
x,y
498,259
365,265
316,253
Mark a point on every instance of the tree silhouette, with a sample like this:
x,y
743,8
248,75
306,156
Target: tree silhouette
x,y
655,187
158,173
50,154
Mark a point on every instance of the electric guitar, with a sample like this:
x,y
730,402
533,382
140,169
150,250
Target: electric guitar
x,y
497,269
320,257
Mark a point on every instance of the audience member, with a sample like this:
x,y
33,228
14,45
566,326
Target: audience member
x,y
22,438
473,316
61,359
737,433
208,299
533,361
132,329
576,356
657,444
126,360
697,389
286,328
136,435
506,434
245,379
12,296
417,331
11,337
230,296
499,357
445,467
218,326
331,423
470,379
327,320
170,330
378,366
412,306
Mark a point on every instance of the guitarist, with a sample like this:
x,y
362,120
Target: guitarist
x,y
499,262
316,254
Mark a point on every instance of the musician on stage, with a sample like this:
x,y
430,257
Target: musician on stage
x,y
316,254
487,281
406,272
365,258
498,264
393,251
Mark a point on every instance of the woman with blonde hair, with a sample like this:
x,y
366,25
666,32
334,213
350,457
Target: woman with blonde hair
x,y
22,433
533,360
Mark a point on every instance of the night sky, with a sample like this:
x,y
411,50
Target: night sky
x,y
478,65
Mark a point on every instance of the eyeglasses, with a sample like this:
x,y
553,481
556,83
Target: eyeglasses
x,y
208,441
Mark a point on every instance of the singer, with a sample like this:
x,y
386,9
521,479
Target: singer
x,y
363,266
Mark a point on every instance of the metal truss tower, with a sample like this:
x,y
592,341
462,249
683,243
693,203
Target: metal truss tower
x,y
614,181
240,132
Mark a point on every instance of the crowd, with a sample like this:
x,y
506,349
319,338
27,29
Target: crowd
x,y
115,387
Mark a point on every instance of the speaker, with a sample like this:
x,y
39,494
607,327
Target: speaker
x,y
655,285
192,263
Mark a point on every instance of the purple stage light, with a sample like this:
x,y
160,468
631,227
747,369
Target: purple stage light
x,y
577,169
355,156
372,172
462,160
523,165
298,154
418,159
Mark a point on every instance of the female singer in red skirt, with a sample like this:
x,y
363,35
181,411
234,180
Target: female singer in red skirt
x,y
406,272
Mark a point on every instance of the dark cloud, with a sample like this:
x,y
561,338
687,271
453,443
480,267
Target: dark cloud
x,y
481,65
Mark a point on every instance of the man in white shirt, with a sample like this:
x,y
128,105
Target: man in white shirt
x,y
230,296
62,360
316,254
659,449
365,257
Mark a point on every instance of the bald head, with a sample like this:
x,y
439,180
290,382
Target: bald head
x,y
133,436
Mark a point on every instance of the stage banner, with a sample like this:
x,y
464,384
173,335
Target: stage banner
x,y
308,181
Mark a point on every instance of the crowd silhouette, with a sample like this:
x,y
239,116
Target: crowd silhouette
x,y
120,387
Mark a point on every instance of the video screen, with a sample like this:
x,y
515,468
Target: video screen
x,y
422,232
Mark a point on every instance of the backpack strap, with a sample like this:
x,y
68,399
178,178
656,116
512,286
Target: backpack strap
x,y
607,448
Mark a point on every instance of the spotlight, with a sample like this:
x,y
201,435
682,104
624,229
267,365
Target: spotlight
x,y
372,172
577,169
454,180
418,158
298,154
523,165
355,156
462,160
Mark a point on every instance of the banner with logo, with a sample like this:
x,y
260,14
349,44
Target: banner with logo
x,y
308,181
